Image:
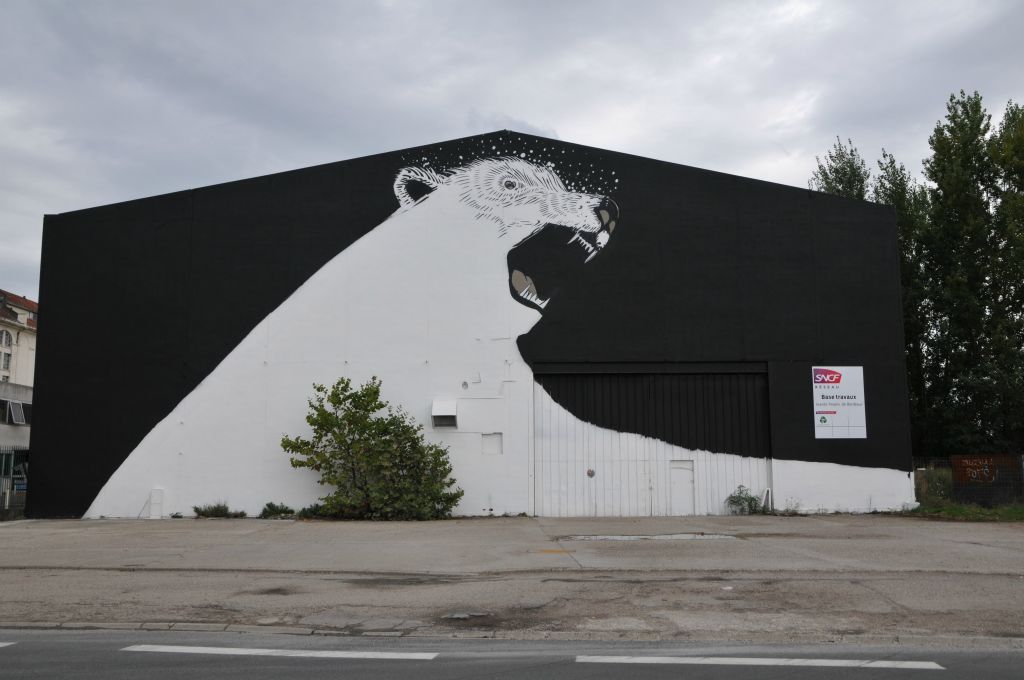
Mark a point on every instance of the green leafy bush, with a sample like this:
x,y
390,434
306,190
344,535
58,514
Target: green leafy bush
x,y
217,510
743,502
314,511
275,511
374,456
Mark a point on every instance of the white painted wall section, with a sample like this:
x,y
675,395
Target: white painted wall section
x,y
827,487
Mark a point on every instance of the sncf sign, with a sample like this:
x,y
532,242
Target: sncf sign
x,y
826,376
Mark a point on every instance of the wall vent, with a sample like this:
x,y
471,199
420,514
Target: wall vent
x,y
444,413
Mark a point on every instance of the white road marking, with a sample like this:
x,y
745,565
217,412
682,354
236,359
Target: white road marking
x,y
701,536
7,644
304,653
754,661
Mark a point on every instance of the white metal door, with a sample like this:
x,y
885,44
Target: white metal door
x,y
681,496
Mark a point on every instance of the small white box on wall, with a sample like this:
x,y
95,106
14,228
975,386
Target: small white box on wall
x,y
444,413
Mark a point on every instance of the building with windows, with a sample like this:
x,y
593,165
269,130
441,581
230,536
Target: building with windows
x,y
18,316
588,332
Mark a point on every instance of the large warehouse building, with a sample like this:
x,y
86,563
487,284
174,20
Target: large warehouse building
x,y
590,333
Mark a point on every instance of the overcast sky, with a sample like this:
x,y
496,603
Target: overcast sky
x,y
108,101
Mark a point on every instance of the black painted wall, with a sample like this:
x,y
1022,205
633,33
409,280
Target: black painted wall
x,y
709,267
141,300
725,412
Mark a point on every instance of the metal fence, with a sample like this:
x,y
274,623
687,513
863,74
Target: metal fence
x,y
986,480
13,481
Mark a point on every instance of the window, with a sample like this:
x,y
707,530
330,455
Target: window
x,y
5,363
5,338
17,413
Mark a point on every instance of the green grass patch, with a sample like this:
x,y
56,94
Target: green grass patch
x,y
967,512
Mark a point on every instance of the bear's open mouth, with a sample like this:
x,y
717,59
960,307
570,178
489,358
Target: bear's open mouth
x,y
553,256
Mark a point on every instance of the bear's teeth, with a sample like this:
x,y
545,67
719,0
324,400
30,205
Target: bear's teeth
x,y
528,295
591,249
579,239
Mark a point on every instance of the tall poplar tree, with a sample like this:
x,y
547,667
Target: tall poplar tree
x,y
960,264
1006,330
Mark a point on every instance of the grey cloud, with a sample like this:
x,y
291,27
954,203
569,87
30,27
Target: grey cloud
x,y
108,101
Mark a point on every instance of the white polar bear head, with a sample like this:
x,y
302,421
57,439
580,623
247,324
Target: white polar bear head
x,y
520,198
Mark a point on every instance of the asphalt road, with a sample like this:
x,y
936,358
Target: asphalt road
x,y
160,654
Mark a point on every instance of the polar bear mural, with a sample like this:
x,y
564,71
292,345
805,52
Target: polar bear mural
x,y
432,301
426,302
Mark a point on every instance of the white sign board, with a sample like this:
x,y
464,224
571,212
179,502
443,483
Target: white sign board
x,y
839,402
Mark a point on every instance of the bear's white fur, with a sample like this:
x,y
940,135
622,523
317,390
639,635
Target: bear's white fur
x,y
421,301
517,195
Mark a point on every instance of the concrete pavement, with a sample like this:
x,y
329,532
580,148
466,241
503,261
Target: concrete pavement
x,y
759,578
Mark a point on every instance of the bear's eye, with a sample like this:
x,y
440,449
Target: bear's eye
x,y
510,184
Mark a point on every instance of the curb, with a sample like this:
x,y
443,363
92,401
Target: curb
x,y
946,641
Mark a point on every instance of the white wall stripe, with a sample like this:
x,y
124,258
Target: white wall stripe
x,y
306,653
754,661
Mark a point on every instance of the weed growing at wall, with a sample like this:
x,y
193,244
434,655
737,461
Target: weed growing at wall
x,y
374,456
276,511
217,510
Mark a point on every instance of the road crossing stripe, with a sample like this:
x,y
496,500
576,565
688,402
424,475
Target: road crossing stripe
x,y
754,661
302,653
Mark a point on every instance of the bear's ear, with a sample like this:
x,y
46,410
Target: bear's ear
x,y
412,184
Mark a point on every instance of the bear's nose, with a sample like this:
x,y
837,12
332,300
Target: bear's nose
x,y
607,212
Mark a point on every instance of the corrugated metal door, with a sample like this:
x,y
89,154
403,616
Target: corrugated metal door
x,y
636,444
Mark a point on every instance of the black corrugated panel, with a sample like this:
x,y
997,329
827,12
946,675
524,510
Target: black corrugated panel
x,y
721,413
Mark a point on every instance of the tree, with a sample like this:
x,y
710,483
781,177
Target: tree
x,y
895,186
374,456
843,172
1006,148
961,242
959,259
